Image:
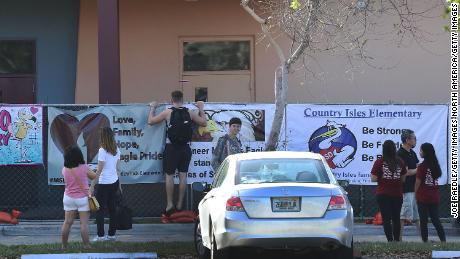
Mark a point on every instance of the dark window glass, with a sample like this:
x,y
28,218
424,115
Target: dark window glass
x,y
17,57
216,56
201,94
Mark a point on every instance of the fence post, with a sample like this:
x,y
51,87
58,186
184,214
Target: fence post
x,y
361,204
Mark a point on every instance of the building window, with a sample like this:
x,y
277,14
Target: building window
x,y
201,94
216,56
17,57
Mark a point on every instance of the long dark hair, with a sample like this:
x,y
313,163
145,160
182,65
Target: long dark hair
x,y
73,157
429,156
389,155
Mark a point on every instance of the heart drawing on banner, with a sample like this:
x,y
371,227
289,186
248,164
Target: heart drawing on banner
x,y
33,110
65,130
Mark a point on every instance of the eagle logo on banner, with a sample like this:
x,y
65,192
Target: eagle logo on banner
x,y
335,143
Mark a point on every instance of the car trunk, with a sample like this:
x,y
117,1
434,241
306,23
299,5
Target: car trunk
x,y
286,201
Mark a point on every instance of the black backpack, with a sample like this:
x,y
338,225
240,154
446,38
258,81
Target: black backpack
x,y
180,126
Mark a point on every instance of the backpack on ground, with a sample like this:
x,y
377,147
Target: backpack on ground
x,y
180,126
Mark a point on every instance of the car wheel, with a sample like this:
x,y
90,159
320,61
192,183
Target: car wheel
x,y
343,252
217,254
202,251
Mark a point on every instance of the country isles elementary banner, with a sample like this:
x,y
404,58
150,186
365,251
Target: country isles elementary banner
x,y
350,137
21,135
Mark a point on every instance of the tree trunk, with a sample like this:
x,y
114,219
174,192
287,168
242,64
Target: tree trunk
x,y
281,87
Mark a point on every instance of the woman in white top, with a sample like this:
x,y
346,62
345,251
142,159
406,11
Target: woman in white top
x,y
108,183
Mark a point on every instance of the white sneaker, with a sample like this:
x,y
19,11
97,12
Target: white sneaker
x,y
111,238
98,238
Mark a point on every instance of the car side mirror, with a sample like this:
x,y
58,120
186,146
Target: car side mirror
x,y
200,186
343,183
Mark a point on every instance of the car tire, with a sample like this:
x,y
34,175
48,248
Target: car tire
x,y
215,253
343,252
202,251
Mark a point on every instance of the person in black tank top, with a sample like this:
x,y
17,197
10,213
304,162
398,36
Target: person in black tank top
x,y
177,153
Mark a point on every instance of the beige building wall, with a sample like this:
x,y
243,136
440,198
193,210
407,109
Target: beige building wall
x,y
150,60
87,85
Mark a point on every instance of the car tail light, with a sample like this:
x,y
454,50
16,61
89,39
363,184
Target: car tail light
x,y
234,204
337,202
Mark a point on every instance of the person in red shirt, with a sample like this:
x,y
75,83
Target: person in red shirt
x,y
389,172
427,193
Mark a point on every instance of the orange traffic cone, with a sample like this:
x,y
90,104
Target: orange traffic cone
x,y
378,219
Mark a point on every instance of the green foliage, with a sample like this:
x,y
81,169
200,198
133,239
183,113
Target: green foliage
x,y
295,4
447,11
448,8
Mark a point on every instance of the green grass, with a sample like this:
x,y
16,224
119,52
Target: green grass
x,y
176,248
404,249
406,246
368,249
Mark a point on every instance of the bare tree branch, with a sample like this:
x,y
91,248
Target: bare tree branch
x,y
265,29
338,27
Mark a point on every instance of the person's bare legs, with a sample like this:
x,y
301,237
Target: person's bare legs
x,y
68,221
182,188
84,217
169,184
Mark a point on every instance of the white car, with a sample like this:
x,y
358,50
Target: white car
x,y
274,200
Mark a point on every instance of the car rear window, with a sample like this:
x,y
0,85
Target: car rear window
x,y
281,171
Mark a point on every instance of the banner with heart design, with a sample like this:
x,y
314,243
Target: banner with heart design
x,y
21,135
140,145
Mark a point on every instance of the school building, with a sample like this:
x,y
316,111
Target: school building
x,y
65,51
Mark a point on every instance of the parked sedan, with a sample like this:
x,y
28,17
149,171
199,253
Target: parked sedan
x,y
274,200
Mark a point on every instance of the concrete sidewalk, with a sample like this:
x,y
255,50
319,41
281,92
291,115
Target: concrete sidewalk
x,y
48,232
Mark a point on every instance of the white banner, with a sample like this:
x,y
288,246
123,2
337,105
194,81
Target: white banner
x,y
142,146
21,135
350,137
256,123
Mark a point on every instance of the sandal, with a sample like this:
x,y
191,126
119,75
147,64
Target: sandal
x,y
168,213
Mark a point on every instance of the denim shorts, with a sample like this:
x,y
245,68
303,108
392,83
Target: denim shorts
x,y
409,209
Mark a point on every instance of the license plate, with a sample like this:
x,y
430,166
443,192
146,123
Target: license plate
x,y
285,204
